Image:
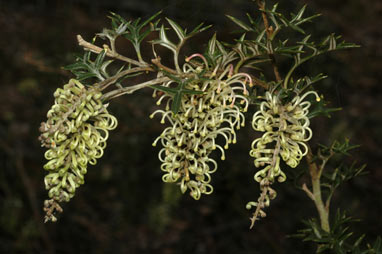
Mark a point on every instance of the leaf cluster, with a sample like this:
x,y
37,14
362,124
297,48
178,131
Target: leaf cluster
x,y
85,68
177,92
132,30
339,240
181,33
266,42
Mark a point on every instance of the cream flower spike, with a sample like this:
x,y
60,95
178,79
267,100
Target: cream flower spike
x,y
286,131
75,134
189,141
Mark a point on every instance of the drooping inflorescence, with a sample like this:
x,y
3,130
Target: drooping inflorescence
x,y
75,134
286,131
189,141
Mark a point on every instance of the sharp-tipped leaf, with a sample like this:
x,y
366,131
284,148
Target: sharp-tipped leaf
x,y
178,30
198,29
149,20
99,60
240,23
176,102
165,89
164,41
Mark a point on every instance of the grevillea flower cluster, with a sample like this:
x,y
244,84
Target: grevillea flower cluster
x,y
75,134
189,141
286,131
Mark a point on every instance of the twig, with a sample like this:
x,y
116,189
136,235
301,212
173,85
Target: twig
x,y
307,191
259,82
269,31
93,48
107,82
315,174
131,89
157,62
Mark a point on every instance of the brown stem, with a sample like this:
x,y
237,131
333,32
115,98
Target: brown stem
x,y
157,62
259,82
269,31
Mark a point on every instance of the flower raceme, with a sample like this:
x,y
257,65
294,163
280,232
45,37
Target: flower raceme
x,y
189,141
289,125
75,134
286,131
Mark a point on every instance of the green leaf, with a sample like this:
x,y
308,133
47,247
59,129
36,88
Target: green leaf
x,y
149,20
296,28
299,14
253,64
221,48
240,23
359,240
377,246
212,45
198,29
307,19
178,30
143,35
176,102
84,76
164,41
76,66
177,92
105,65
255,26
188,91
165,89
99,60
320,108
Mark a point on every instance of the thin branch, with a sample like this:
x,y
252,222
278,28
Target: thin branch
x,y
259,82
93,48
329,198
157,62
109,81
128,90
176,60
269,31
315,174
307,191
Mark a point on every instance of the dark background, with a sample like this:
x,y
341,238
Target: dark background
x,y
124,207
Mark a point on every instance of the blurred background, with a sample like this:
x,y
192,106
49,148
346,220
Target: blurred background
x,y
124,207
